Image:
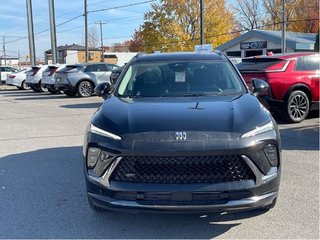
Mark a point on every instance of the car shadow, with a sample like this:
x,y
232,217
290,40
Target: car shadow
x,y
300,136
83,105
44,196
44,97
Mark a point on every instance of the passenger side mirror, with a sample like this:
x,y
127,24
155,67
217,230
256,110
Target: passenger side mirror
x,y
259,86
103,89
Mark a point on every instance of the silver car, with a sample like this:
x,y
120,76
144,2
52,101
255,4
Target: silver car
x,y
47,80
81,79
33,78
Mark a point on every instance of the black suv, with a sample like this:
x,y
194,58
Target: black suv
x,y
181,132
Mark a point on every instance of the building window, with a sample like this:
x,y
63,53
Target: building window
x,y
275,50
233,53
253,53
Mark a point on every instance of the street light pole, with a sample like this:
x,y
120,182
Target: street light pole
x,y
86,30
283,36
53,32
202,23
32,50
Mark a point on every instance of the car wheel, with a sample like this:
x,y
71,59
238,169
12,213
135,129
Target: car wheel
x,y
85,89
53,90
24,86
42,89
94,207
70,93
297,107
271,205
35,89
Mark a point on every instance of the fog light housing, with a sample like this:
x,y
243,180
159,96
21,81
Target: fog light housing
x,y
272,155
93,156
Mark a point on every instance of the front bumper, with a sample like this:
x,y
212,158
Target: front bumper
x,y
194,197
231,205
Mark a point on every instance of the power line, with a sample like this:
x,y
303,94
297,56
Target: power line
x,y
123,6
45,30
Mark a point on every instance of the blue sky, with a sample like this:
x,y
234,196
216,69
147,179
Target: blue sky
x,y
120,26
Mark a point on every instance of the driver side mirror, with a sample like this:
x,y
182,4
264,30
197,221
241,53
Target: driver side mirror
x,y
103,89
259,86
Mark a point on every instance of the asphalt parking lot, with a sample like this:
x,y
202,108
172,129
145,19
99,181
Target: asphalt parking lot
x,y
42,188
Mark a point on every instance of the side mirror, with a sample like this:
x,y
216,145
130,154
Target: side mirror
x,y
114,77
103,89
259,86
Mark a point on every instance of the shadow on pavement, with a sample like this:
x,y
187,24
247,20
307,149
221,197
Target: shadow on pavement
x,y
83,105
44,196
300,138
44,97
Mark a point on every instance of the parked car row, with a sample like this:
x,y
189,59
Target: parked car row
x,y
292,80
77,79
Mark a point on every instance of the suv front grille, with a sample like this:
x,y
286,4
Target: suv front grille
x,y
182,170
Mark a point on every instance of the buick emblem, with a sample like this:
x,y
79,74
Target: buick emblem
x,y
180,136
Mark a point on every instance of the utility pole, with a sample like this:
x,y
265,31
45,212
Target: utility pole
x,y
86,29
53,34
283,37
102,50
32,50
19,64
202,22
4,51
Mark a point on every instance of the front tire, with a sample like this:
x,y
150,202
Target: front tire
x,y
35,89
85,89
53,90
297,107
24,86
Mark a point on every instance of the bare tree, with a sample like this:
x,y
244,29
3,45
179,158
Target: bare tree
x,y
249,14
93,39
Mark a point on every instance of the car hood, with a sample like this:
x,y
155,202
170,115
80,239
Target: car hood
x,y
231,114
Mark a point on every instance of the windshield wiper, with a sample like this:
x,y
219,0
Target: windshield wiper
x,y
192,94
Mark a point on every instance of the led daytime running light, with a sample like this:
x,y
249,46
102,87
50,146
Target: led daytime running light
x,y
258,130
99,131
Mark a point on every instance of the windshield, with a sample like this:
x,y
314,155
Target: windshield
x,y
161,79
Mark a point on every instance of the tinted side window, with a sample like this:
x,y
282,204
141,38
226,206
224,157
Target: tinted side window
x,y
111,67
308,63
96,68
103,68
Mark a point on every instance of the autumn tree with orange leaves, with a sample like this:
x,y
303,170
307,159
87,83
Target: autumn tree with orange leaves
x,y
301,15
174,25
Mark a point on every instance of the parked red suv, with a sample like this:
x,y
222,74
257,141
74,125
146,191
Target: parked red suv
x,y
293,80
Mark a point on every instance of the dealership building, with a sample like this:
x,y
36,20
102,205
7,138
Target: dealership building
x,y
259,42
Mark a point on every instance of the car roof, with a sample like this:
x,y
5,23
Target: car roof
x,y
286,55
179,56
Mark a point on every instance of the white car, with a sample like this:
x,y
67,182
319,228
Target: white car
x,y
18,79
4,71
34,76
47,80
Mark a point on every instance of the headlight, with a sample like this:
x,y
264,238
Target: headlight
x,y
101,132
258,130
